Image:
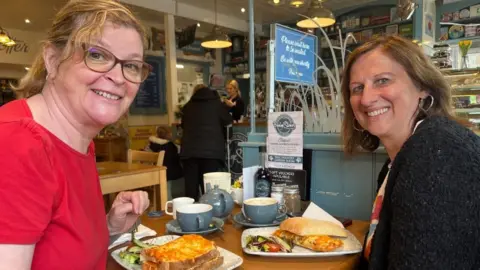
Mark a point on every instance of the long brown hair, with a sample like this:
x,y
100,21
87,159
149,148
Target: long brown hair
x,y
78,22
420,70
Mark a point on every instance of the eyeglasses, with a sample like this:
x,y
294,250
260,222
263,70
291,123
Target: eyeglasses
x,y
99,59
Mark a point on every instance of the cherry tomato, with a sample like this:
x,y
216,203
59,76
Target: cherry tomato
x,y
272,247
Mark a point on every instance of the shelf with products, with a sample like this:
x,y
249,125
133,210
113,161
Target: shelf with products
x,y
455,41
236,58
367,22
465,85
458,21
360,29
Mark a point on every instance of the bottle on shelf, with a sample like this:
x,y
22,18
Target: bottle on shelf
x,y
263,178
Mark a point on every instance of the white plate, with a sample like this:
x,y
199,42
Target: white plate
x,y
230,260
351,245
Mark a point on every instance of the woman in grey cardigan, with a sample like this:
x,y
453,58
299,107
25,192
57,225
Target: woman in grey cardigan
x,y
427,211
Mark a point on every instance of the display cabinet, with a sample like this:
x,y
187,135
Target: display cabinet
x,y
465,85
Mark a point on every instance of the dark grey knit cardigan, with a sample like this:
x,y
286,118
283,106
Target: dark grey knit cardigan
x,y
430,217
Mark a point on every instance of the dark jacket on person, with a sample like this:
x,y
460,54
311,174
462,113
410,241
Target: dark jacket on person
x,y
430,218
203,122
238,110
171,159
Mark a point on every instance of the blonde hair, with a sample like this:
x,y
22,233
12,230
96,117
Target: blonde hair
x,y
78,22
421,71
234,84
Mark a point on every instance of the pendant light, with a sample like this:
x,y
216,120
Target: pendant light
x,y
217,39
4,38
297,3
319,14
10,43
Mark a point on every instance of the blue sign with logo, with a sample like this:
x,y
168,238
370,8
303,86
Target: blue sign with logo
x,y
295,59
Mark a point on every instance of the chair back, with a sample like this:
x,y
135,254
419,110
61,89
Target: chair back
x,y
135,156
161,157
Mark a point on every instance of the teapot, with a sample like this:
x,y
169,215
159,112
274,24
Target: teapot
x,y
219,199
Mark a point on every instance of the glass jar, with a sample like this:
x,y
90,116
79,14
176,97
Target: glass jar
x,y
277,193
291,195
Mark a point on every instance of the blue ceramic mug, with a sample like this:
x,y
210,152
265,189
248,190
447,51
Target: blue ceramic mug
x,y
262,210
194,217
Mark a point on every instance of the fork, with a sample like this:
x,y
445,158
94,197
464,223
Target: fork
x,y
134,230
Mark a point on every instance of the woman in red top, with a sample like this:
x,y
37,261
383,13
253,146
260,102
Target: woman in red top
x,y
84,78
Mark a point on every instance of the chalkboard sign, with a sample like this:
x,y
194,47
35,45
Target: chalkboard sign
x,y
151,97
291,178
295,59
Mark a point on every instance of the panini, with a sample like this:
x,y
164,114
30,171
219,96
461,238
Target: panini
x,y
313,234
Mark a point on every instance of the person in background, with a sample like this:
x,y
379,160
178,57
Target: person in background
x,y
203,143
234,101
427,211
84,78
163,142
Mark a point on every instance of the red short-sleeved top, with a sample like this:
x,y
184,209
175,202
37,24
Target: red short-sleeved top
x,y
49,195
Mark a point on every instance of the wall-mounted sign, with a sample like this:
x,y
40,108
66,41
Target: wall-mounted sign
x,y
285,140
25,49
151,97
295,59
139,136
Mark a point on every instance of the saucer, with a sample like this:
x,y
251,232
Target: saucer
x,y
174,228
240,219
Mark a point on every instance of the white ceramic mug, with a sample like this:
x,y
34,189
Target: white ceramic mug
x,y
237,195
176,203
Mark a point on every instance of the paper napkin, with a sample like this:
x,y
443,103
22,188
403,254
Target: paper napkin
x,y
143,231
315,212
249,182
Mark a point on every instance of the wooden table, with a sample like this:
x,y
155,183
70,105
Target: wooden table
x,y
121,176
230,240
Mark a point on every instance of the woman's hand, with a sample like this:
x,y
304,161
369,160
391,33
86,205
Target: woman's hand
x,y
126,209
229,103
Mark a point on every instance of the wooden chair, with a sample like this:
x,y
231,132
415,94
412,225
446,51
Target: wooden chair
x,y
135,156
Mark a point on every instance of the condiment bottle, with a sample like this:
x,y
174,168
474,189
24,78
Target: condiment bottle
x,y
263,179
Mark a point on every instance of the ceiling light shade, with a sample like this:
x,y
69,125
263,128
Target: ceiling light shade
x,y
317,15
297,3
216,40
10,43
4,37
276,2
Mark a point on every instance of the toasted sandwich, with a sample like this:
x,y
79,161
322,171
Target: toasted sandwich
x,y
317,235
189,252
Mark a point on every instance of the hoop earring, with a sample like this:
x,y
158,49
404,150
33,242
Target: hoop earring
x,y
354,126
421,103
